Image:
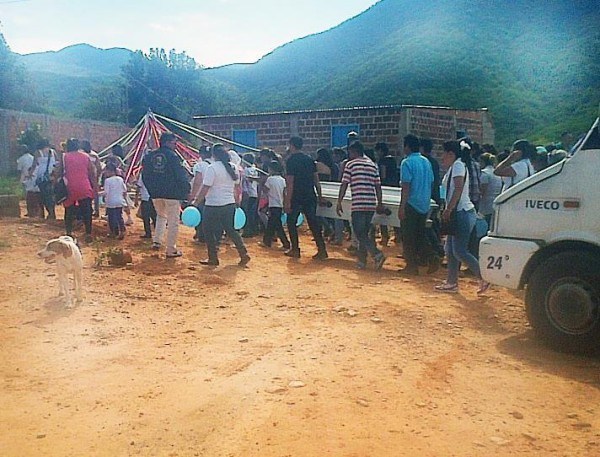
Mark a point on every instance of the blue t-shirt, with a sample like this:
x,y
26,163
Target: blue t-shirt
x,y
416,170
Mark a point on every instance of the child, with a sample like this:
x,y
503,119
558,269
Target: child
x,y
33,197
275,188
147,211
115,194
250,195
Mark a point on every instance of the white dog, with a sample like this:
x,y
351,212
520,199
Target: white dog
x,y
68,260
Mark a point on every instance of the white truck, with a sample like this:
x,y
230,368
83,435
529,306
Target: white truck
x,y
545,238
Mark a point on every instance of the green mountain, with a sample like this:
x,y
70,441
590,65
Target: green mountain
x,y
534,63
65,78
80,60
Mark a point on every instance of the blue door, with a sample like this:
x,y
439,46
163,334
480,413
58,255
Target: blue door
x,y
245,137
339,134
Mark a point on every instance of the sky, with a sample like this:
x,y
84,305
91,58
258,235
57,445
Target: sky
x,y
213,32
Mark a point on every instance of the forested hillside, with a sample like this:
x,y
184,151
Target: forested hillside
x,y
534,64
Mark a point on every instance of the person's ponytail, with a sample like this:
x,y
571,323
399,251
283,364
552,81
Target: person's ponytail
x,y
221,155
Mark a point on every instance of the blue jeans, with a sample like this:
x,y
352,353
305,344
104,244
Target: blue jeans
x,y
457,246
115,220
361,223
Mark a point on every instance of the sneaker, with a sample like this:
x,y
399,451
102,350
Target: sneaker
x,y
244,260
156,246
447,288
483,287
321,255
212,263
146,236
361,265
264,245
129,221
293,253
172,255
433,264
121,236
379,260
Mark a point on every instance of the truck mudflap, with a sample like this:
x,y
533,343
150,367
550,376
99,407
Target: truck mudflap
x,y
503,260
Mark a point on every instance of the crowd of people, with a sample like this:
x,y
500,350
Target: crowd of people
x,y
271,188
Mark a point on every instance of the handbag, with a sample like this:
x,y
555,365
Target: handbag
x,y
60,188
43,181
450,226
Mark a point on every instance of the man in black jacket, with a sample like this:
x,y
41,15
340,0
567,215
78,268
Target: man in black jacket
x,y
167,182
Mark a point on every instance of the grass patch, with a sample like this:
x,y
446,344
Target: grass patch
x,y
10,185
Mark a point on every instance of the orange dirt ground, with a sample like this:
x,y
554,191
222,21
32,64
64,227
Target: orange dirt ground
x,y
284,358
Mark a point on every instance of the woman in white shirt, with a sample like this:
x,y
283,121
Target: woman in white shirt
x,y
219,194
456,182
517,166
43,175
491,186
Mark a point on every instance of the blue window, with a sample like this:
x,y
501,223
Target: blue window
x,y
339,134
245,137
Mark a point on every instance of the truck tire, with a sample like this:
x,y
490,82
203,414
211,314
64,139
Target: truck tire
x,y
563,301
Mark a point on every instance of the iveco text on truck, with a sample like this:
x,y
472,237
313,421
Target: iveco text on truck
x,y
545,238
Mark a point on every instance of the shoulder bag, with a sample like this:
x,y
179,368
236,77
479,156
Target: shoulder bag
x,y
60,188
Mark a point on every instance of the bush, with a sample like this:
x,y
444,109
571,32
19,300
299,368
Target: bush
x,y
11,186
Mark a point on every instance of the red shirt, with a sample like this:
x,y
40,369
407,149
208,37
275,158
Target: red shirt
x,y
76,172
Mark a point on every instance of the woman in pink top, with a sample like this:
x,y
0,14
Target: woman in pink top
x,y
80,176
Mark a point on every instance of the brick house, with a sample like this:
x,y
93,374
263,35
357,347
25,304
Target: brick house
x,y
329,127
56,129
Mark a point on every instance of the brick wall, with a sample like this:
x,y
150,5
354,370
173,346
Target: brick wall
x,y
12,123
389,124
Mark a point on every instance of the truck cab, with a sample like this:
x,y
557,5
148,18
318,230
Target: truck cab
x,y
545,238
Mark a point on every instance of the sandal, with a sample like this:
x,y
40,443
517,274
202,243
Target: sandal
x,y
483,287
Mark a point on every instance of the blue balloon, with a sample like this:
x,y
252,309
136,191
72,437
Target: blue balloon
x,y
191,216
299,221
239,220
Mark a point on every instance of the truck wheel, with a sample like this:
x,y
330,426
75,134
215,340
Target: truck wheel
x,y
563,302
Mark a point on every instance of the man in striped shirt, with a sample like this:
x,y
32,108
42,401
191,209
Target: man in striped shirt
x,y
363,177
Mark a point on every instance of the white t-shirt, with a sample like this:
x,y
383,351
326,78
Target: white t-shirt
x,y
276,185
42,164
221,185
458,169
24,163
30,185
200,167
523,170
251,181
144,195
494,187
114,187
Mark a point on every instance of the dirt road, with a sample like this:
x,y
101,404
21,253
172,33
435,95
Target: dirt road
x,y
284,358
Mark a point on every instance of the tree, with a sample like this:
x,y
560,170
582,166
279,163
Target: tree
x,y
106,103
16,90
170,83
